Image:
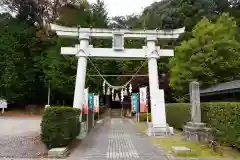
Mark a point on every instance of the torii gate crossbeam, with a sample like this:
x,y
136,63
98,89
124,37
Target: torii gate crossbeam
x,y
108,33
126,54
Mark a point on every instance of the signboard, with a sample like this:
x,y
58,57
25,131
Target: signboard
x,y
3,103
96,103
85,107
91,101
158,109
143,99
135,102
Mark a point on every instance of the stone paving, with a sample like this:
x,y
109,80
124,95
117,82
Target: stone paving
x,y
117,139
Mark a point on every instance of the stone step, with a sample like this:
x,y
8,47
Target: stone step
x,y
115,113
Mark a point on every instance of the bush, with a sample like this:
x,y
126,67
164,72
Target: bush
x,y
59,126
177,114
224,119
143,117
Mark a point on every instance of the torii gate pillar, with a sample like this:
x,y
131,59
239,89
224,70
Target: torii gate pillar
x,y
81,72
152,65
157,96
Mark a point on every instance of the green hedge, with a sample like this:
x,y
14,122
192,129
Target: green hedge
x,y
143,117
177,114
59,126
222,117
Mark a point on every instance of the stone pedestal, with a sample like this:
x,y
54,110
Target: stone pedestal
x,y
180,150
197,132
157,131
58,153
83,131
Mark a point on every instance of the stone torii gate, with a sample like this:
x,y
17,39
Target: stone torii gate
x,y
150,52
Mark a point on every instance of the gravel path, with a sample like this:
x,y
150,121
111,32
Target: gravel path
x,y
19,138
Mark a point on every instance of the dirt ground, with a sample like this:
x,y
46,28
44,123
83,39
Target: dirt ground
x,y
20,136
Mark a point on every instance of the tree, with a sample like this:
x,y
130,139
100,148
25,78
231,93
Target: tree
x,y
99,17
36,11
61,70
20,49
174,13
210,57
4,17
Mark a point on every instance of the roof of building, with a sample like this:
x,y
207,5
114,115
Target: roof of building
x,y
232,85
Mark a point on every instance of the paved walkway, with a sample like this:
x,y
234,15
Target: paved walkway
x,y
117,139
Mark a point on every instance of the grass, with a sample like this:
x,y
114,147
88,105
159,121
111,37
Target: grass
x,y
198,150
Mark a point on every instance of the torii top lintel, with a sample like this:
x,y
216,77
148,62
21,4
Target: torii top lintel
x,y
108,33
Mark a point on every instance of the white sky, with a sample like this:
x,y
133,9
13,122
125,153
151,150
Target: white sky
x,y
125,7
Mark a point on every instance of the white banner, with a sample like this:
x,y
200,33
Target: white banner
x,y
3,103
85,108
143,99
96,103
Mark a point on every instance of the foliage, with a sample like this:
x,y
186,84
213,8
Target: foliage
x,y
20,75
210,57
143,117
99,15
35,11
59,126
197,150
177,114
39,49
59,70
67,16
222,117
178,13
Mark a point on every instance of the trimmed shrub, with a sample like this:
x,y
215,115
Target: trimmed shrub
x,y
224,119
177,114
59,126
143,117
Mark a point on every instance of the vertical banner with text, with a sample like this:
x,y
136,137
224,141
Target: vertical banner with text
x,y
96,103
91,101
135,102
143,99
85,105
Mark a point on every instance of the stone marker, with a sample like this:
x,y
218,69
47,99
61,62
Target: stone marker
x,y
195,102
196,130
180,149
171,131
58,152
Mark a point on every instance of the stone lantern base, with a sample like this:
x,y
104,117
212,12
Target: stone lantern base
x,y
197,132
